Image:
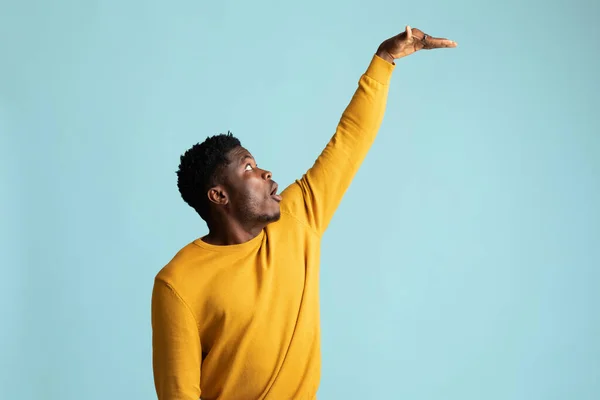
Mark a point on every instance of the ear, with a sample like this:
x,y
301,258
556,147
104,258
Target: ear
x,y
217,195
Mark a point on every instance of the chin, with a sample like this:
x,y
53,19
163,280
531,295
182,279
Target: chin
x,y
268,218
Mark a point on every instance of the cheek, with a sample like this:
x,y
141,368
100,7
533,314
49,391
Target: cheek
x,y
250,194
249,197
255,190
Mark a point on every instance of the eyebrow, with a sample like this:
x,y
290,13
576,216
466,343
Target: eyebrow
x,y
245,157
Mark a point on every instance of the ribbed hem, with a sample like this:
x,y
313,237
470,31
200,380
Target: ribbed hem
x,y
380,70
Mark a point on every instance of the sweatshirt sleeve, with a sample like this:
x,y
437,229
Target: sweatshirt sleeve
x,y
314,198
176,348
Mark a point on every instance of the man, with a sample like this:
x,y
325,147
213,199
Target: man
x,y
235,314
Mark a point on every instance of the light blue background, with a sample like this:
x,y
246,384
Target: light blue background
x,y
462,264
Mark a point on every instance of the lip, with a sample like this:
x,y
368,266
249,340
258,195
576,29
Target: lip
x,y
274,194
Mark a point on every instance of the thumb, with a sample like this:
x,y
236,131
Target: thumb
x,y
408,32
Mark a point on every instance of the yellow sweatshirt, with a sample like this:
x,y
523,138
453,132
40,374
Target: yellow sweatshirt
x,y
242,321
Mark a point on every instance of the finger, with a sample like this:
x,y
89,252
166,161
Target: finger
x,y
426,42
409,34
437,43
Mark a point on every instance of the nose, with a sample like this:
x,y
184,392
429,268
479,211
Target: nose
x,y
267,175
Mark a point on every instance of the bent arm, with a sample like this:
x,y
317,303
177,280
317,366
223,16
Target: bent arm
x,y
176,349
314,198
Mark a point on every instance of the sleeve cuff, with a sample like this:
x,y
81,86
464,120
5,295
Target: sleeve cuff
x,y
380,70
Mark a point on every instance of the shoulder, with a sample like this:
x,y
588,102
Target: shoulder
x,y
176,271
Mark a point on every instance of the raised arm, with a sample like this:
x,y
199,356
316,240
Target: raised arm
x,y
314,198
176,348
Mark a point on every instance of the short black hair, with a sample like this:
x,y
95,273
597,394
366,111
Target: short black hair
x,y
200,169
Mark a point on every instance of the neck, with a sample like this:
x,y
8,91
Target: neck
x,y
229,232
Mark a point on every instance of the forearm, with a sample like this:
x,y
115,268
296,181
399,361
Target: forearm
x,y
326,182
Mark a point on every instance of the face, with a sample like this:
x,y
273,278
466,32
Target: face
x,y
249,191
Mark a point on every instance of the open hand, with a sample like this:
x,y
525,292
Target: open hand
x,y
410,41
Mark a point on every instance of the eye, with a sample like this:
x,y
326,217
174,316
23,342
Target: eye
x,y
248,167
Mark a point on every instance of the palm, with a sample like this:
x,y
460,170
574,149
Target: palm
x,y
412,40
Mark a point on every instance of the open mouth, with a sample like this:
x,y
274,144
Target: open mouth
x,y
274,194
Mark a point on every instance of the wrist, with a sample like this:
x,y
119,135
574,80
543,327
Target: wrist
x,y
385,56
